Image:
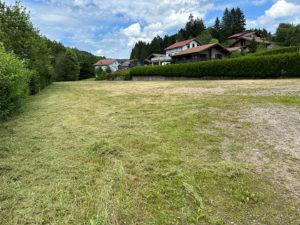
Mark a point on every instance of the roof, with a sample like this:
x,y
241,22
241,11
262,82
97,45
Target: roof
x,y
126,63
236,35
241,35
105,62
181,44
257,40
233,49
200,49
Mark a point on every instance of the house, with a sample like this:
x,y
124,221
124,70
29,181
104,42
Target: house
x,y
148,60
104,63
130,64
125,65
181,46
160,59
201,53
243,40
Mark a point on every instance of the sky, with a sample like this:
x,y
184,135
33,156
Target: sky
x,y
111,28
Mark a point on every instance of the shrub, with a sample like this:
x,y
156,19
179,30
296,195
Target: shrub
x,y
273,66
14,83
100,74
120,74
275,51
108,69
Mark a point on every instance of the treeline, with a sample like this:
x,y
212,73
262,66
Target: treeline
x,y
43,56
232,22
29,61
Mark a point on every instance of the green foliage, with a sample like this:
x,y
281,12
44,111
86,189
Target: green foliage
x,y
276,51
288,34
236,54
18,35
273,66
100,74
108,69
233,22
205,37
120,75
253,46
67,67
14,83
214,40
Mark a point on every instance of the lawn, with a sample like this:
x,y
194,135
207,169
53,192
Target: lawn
x,y
168,152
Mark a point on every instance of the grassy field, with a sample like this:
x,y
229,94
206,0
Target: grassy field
x,y
168,152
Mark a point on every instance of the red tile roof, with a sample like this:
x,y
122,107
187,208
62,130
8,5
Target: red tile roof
x,y
199,49
105,62
127,63
181,44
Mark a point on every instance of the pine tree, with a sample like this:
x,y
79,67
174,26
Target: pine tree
x,y
216,31
253,46
71,66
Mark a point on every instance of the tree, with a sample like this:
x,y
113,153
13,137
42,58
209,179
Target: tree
x,y
288,34
216,31
18,35
253,46
67,67
205,37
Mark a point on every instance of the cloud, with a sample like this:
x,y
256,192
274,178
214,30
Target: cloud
x,y
283,8
281,11
259,2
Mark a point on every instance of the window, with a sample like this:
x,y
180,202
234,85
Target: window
x,y
193,45
188,46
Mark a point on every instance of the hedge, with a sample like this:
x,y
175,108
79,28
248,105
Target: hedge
x,y
275,51
14,83
287,65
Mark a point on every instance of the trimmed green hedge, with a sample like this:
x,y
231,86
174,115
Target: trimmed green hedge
x,y
14,83
273,66
275,51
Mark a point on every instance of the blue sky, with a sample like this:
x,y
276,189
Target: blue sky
x,y
112,27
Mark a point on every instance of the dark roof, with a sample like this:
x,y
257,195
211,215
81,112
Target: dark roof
x,y
181,43
104,62
200,49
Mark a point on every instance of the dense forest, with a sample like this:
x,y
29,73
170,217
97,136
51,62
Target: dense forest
x,y
43,56
232,22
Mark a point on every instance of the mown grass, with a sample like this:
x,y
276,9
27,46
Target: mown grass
x,y
141,153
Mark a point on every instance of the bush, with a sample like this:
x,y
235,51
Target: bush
x,y
14,83
276,51
100,74
273,66
120,74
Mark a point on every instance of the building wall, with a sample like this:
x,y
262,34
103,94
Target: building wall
x,y
114,66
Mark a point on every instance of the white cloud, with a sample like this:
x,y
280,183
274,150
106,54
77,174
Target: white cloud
x,y
282,8
286,11
132,30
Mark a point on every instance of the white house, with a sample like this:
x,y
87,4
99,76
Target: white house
x,y
174,49
104,63
181,46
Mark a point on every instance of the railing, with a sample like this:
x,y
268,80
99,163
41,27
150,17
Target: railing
x,y
179,61
162,59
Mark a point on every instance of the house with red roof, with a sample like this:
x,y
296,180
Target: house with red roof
x,y
159,59
181,46
104,63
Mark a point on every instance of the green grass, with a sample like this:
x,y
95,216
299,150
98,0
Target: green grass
x,y
174,152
